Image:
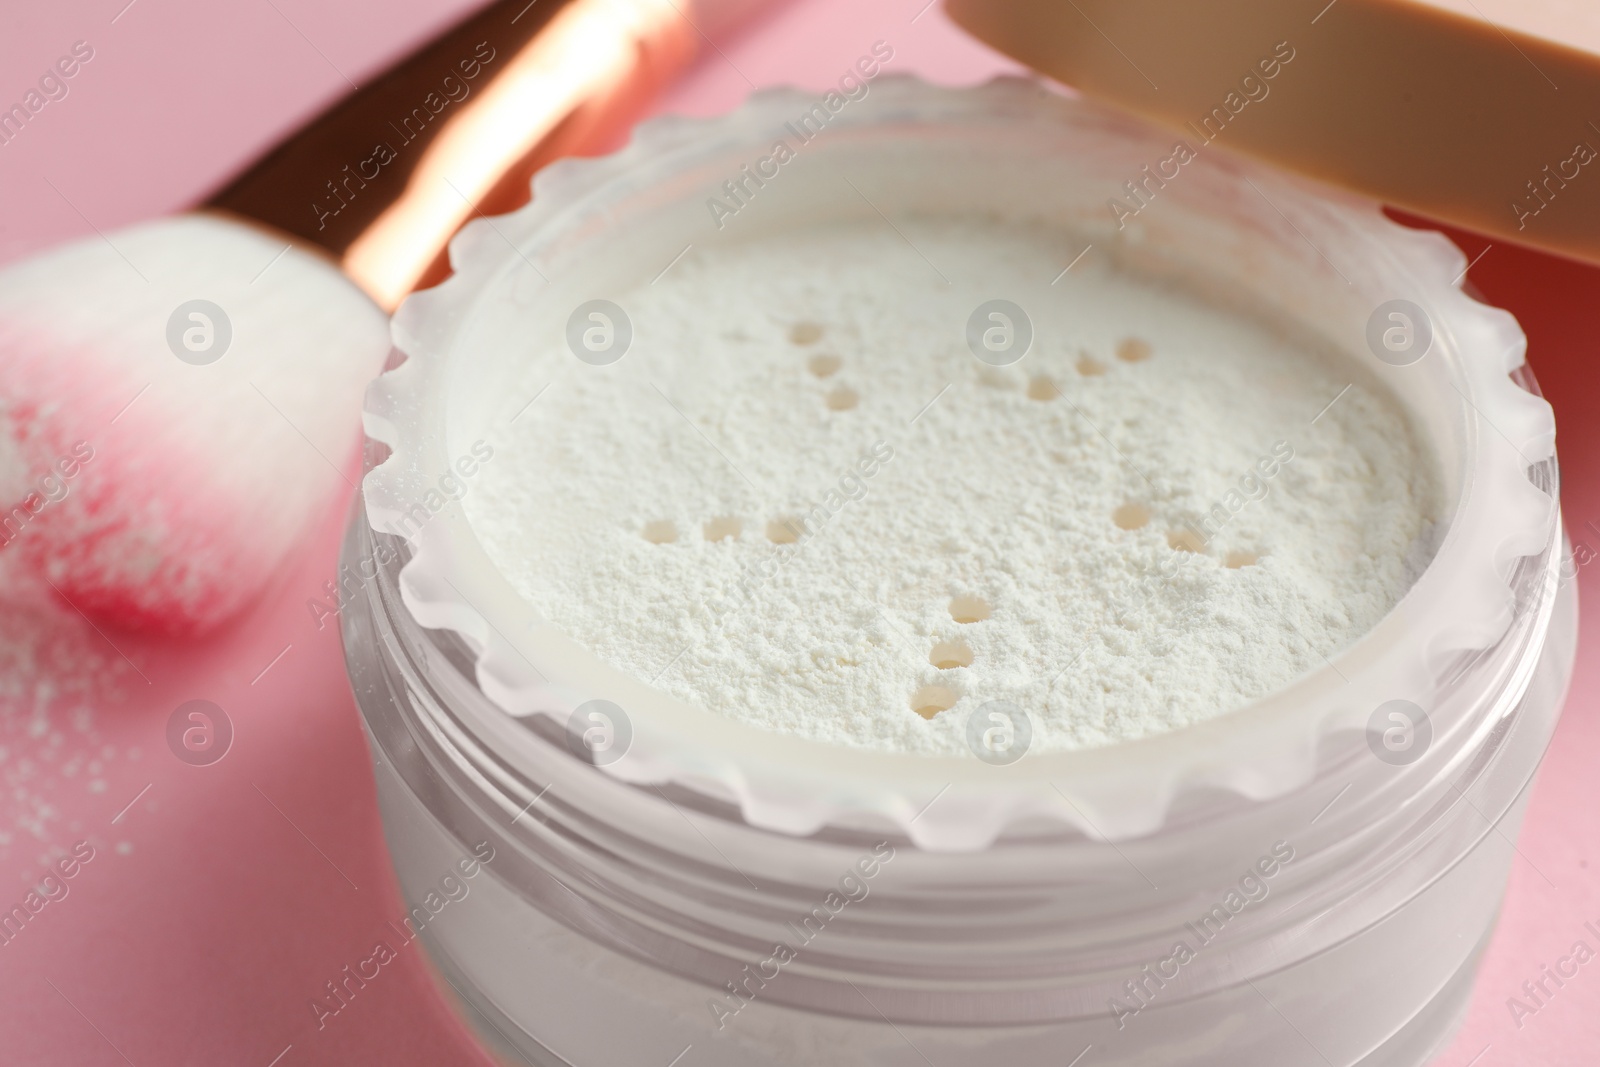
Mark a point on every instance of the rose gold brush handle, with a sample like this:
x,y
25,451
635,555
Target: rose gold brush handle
x,y
385,177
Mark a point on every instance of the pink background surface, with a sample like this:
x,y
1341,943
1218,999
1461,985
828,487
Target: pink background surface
x,y
221,898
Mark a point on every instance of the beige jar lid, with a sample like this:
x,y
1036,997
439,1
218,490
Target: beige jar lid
x,y
1479,115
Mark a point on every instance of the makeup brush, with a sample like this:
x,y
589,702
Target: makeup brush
x,y
180,397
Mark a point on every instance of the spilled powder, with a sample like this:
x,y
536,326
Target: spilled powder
x,y
800,501
55,672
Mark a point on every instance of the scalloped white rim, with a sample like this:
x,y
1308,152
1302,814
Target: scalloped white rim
x,y
1461,603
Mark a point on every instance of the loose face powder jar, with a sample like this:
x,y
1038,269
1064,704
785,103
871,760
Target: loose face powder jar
x,y
854,599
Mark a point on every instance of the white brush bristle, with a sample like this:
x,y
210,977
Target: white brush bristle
x,y
164,492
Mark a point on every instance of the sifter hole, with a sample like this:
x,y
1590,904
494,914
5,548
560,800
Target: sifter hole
x,y
1133,350
824,365
786,530
930,700
1042,388
965,609
1185,540
723,528
1131,516
661,532
805,333
948,655
843,399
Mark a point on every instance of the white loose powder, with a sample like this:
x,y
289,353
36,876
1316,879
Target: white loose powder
x,y
800,501
56,675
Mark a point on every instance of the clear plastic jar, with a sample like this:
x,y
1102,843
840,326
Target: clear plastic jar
x,y
1271,887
